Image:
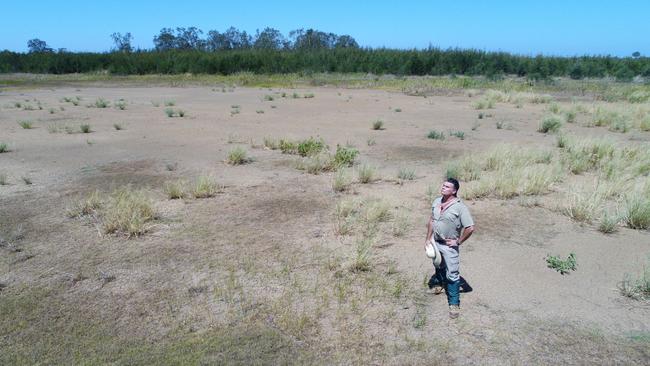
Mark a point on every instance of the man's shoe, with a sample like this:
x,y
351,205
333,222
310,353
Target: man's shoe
x,y
435,290
454,311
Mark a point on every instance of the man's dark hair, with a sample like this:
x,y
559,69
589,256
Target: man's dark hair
x,y
456,184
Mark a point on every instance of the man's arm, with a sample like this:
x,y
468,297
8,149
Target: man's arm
x,y
467,232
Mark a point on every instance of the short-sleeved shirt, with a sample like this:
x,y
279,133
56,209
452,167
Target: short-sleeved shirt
x,y
448,224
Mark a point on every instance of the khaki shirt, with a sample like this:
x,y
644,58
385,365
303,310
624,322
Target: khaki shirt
x,y
448,225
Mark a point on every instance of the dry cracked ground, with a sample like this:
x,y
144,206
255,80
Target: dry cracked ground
x,y
276,267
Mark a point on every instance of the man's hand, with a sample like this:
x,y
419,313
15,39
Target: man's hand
x,y
451,242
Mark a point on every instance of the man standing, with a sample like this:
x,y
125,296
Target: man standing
x,y
450,225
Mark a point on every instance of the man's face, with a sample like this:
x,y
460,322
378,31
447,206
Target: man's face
x,y
447,189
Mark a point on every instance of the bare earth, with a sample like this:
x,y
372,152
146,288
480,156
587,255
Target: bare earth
x,y
262,261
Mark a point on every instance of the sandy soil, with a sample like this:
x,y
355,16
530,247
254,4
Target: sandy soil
x,y
269,204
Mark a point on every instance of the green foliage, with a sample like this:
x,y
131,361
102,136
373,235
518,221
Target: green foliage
x,y
459,134
101,103
562,266
26,125
85,128
310,146
238,156
345,156
378,125
551,123
436,135
194,55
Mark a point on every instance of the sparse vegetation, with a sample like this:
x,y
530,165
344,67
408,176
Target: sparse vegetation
x,y
85,128
638,289
406,174
3,179
238,156
26,125
175,189
128,212
563,266
367,173
101,103
341,180
120,104
550,123
345,156
378,125
205,187
118,126
459,134
436,135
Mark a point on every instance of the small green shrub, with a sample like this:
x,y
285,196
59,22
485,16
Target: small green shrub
x,y
175,190
205,187
436,135
459,134
636,213
562,266
169,103
120,104
288,146
26,125
378,125
551,123
570,116
3,179
638,289
27,180
238,156
101,103
310,146
341,180
85,128
367,173
269,98
344,156
406,173
118,126
398,110
181,113
308,95
608,223
169,112
271,143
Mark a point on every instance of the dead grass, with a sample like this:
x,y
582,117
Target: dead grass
x,y
206,186
128,212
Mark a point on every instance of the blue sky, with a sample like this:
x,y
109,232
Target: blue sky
x,y
548,27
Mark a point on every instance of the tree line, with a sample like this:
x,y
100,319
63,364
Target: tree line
x,y
189,50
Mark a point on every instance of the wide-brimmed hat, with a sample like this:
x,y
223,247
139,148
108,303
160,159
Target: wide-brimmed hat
x,y
433,253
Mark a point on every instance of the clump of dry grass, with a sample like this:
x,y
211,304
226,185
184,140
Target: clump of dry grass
x,y
128,212
175,189
341,180
367,173
206,186
85,207
582,204
238,156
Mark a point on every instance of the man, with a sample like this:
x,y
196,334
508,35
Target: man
x,y
450,225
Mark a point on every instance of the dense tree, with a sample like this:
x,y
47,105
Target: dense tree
x,y
269,39
181,50
122,42
36,45
165,40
